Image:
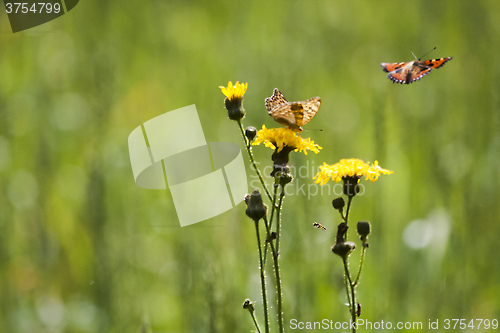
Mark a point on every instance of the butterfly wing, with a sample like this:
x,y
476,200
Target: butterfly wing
x,y
391,67
279,108
409,75
398,72
436,63
408,72
307,111
292,115
276,99
284,115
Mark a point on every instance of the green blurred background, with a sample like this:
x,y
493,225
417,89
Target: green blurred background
x,y
83,249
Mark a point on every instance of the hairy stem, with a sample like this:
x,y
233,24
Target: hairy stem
x,y
262,278
252,313
252,159
352,301
270,224
361,261
276,261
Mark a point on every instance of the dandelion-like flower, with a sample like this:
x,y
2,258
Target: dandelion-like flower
x,y
284,138
234,99
283,141
349,168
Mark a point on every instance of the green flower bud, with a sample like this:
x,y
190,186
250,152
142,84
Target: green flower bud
x,y
343,249
363,228
235,110
351,186
250,133
256,208
338,203
248,304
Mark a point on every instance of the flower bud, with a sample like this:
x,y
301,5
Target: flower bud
x,y
343,249
248,304
235,110
363,228
250,133
341,231
351,186
338,203
256,208
285,177
281,159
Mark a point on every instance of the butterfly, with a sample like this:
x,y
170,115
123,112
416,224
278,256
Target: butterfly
x,y
408,72
293,115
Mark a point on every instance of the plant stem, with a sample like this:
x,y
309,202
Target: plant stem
x,y
252,313
252,159
262,278
347,289
269,225
278,287
278,216
276,260
361,261
352,301
349,201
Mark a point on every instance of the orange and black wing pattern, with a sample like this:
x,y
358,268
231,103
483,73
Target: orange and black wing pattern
x,y
409,72
391,67
436,63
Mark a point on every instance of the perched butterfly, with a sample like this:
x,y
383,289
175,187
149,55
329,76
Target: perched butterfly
x,y
408,72
293,115
319,226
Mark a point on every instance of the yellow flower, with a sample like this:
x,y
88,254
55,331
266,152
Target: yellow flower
x,y
234,99
278,138
237,91
352,167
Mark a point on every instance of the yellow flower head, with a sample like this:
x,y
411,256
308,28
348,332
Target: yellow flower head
x,y
351,167
234,100
234,92
278,138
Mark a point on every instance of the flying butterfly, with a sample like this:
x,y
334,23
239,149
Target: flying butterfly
x,y
409,72
293,115
319,226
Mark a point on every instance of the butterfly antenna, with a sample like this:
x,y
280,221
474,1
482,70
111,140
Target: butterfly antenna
x,y
413,55
313,129
435,47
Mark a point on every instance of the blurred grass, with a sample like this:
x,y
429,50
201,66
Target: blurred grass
x,y
83,249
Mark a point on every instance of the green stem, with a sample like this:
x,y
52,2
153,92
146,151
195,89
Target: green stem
x,y
361,261
276,260
347,289
352,301
269,225
278,290
278,216
262,278
349,201
252,159
252,313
